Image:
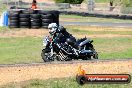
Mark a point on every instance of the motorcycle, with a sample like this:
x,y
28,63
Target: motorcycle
x,y
69,50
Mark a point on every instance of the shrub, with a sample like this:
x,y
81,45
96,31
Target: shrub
x,y
69,1
125,3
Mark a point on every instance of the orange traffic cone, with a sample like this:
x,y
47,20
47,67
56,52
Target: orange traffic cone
x,y
81,71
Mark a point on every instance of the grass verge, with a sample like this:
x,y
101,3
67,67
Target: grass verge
x,y
28,49
91,30
20,50
24,46
113,48
62,83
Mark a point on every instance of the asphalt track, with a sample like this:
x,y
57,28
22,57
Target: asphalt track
x,y
104,24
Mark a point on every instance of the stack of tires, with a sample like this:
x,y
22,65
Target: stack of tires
x,y
55,17
35,21
24,20
47,18
14,19
33,18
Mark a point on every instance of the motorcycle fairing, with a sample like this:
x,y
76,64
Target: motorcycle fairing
x,y
85,42
46,40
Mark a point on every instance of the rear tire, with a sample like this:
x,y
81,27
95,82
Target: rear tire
x,y
95,54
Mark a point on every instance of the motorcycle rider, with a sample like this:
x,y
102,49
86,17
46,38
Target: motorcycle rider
x,y
65,46
61,33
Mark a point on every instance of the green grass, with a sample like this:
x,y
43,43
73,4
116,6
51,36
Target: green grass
x,y
76,18
62,83
28,49
113,48
4,29
20,50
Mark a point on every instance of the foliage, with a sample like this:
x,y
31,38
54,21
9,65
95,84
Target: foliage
x,y
125,3
69,1
3,7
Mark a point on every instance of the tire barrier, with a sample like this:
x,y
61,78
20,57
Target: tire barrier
x,y
32,18
49,17
14,20
24,20
35,20
46,20
85,14
55,16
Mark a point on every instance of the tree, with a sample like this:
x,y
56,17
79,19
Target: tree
x,y
125,3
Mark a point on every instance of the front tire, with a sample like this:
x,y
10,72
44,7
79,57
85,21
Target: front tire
x,y
46,56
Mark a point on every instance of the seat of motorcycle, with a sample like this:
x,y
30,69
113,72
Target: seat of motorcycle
x,y
80,40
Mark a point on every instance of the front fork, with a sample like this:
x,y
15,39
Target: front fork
x,y
52,51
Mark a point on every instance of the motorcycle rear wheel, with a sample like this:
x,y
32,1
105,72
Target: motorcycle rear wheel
x,y
95,54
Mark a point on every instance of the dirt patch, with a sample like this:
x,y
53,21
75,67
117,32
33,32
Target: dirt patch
x,y
102,36
71,20
18,74
44,32
24,33
99,28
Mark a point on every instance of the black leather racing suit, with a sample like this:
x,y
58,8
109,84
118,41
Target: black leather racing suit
x,y
63,35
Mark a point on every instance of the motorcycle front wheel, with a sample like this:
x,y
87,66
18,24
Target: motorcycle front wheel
x,y
46,56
